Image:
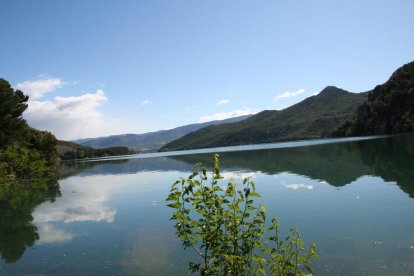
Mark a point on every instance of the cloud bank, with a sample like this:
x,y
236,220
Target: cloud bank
x,y
66,117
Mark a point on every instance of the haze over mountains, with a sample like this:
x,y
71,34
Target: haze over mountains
x,y
151,141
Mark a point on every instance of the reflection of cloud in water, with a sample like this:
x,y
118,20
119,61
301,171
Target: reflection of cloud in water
x,y
296,186
86,203
84,200
238,175
299,186
49,234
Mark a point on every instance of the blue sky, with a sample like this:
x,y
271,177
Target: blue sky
x,y
94,68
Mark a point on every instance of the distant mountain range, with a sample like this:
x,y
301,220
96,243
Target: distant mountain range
x,y
151,141
314,117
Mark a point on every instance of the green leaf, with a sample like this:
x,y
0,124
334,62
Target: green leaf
x,y
174,205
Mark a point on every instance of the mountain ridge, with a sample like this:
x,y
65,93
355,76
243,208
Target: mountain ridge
x,y
150,141
314,117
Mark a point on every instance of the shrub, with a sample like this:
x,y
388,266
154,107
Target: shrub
x,y
228,231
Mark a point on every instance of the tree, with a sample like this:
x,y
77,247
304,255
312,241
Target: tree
x,y
229,232
25,153
12,105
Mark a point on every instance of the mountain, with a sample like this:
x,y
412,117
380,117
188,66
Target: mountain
x,y
151,141
313,117
388,109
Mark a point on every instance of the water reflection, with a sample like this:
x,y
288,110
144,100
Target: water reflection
x,y
17,229
337,164
83,200
87,187
122,166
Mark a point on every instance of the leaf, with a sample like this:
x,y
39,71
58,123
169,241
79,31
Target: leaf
x,y
174,205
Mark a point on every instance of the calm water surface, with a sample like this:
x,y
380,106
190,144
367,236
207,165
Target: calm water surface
x,y
354,199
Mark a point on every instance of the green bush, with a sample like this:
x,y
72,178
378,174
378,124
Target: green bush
x,y
228,231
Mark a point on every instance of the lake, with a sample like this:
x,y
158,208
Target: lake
x,y
352,197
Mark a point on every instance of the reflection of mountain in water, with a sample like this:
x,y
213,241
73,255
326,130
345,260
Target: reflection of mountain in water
x,y
338,164
391,158
122,166
17,203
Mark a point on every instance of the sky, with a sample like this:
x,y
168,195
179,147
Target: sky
x,y
98,67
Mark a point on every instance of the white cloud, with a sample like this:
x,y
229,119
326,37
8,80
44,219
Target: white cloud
x,y
66,117
221,102
71,117
36,89
288,94
226,115
146,102
316,93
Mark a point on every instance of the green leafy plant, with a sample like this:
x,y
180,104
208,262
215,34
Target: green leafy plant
x,y
228,231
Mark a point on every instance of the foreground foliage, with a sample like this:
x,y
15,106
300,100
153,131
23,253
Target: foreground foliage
x,y
228,231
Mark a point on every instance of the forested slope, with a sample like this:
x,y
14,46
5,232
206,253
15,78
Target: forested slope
x,y
314,117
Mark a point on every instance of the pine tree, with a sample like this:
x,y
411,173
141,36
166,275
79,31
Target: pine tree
x,y
12,105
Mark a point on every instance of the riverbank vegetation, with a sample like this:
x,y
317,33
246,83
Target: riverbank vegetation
x,y
71,151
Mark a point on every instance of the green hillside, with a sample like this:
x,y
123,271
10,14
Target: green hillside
x,y
314,117
388,109
70,151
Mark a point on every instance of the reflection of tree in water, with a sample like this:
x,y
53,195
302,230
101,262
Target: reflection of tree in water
x,y
122,166
333,163
71,168
17,202
390,158
393,160
338,164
